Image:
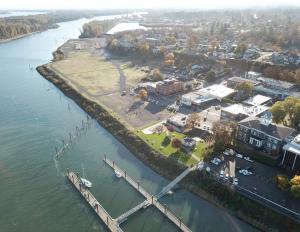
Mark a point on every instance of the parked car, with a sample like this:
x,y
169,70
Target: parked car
x,y
235,181
222,173
239,155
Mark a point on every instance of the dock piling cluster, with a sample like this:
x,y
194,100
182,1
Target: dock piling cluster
x,y
85,125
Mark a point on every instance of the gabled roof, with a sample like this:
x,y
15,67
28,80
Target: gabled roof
x,y
274,130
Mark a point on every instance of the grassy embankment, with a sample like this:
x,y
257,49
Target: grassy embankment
x,y
158,142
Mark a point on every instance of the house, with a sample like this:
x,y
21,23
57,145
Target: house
x,y
291,155
263,135
169,86
258,100
177,122
232,82
237,112
188,144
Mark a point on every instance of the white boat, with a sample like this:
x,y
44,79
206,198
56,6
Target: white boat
x,y
118,174
86,183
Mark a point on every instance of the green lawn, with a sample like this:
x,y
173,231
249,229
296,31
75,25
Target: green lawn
x,y
157,142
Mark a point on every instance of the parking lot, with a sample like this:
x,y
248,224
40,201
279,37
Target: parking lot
x,y
258,180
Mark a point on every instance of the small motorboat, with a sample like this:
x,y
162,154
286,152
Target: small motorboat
x,y
86,183
118,174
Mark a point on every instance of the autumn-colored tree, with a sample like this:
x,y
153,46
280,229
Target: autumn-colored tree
x,y
224,133
241,48
245,87
211,76
193,119
273,72
289,106
278,112
295,182
156,75
176,143
282,182
143,94
144,49
169,59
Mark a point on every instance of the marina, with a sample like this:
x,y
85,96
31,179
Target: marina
x,y
114,224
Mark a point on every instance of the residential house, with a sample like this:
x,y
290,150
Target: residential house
x,y
177,122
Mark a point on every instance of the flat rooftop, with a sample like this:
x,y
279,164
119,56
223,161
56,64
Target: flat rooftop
x,y
257,100
195,98
216,91
237,109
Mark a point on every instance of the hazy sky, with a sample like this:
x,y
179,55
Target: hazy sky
x,y
113,4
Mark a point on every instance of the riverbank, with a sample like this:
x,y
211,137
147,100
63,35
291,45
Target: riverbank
x,y
255,214
17,37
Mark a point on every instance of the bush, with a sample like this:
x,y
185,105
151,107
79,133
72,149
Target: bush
x,y
166,141
282,182
295,180
295,190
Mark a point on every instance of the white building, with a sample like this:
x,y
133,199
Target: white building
x,y
216,91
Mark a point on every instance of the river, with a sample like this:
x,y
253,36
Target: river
x,y
34,119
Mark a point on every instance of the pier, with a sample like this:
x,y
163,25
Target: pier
x,y
111,224
150,199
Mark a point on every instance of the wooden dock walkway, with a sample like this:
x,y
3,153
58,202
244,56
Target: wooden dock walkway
x,y
111,223
150,199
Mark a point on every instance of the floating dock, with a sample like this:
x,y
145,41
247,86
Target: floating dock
x,y
150,199
114,224
111,224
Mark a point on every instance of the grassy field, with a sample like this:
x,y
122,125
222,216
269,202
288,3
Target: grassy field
x,y
157,142
93,74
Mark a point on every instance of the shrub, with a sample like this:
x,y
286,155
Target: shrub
x,y
166,141
295,180
295,190
282,182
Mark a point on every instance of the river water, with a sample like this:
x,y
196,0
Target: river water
x,y
34,119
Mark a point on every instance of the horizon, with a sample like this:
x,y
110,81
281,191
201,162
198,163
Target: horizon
x,y
136,5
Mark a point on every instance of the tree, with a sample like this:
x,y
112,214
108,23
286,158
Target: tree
x,y
224,133
211,76
273,72
193,119
295,180
169,59
144,49
283,182
245,88
297,115
176,143
156,75
289,107
295,190
241,48
278,112
143,94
